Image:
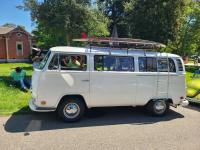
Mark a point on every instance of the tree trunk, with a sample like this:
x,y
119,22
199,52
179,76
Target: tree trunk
x,y
68,39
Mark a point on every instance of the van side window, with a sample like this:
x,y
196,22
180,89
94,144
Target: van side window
x,y
98,63
73,62
172,67
53,65
44,60
113,63
180,66
162,65
147,64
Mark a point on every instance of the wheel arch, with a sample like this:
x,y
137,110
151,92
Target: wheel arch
x,y
169,100
63,98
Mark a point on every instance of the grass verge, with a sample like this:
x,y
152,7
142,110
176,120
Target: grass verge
x,y
13,99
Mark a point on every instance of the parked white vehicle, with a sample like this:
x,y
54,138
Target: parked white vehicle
x,y
70,80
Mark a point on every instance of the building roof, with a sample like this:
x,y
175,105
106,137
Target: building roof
x,y
5,30
112,51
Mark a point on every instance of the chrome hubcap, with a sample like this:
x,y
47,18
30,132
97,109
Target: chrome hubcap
x,y
71,110
160,106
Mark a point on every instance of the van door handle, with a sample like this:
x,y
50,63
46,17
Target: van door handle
x,y
86,80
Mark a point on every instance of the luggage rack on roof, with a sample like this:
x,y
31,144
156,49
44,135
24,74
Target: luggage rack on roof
x,y
122,43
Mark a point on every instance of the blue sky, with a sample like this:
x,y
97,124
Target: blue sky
x,y
10,14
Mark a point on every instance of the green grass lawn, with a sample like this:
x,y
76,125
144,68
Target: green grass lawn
x,y
188,76
13,99
189,72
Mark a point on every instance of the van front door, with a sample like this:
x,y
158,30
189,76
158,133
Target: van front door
x,y
71,79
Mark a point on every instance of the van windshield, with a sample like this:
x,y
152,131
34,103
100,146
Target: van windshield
x,y
44,61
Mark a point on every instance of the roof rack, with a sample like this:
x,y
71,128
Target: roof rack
x,y
122,43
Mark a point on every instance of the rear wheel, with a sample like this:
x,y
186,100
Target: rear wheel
x,y
71,109
158,107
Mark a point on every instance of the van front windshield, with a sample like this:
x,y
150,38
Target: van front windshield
x,y
44,61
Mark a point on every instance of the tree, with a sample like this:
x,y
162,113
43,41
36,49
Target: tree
x,y
10,25
43,39
115,11
62,20
188,39
157,20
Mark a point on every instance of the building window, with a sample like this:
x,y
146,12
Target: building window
x,y
19,48
19,35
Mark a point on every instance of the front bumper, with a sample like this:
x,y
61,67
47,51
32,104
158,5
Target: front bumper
x,y
33,107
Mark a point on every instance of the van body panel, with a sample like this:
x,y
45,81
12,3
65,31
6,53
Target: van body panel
x,y
146,87
162,85
177,88
112,88
54,85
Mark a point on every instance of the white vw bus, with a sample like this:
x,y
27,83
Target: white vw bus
x,y
70,80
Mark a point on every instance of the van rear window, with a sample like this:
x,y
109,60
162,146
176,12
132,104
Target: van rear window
x,y
172,67
113,63
153,64
147,64
162,65
180,66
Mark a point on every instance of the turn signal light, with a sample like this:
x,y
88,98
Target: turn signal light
x,y
43,102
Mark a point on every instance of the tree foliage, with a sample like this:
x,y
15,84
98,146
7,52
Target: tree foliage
x,y
172,22
157,20
58,21
175,23
12,25
115,11
188,39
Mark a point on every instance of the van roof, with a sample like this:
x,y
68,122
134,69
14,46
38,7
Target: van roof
x,y
112,51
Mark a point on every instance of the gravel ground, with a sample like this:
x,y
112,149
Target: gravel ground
x,y
108,128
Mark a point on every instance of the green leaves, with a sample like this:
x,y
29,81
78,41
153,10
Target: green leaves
x,y
157,20
59,21
172,22
188,38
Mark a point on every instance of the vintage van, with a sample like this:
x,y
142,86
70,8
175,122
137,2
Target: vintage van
x,y
70,80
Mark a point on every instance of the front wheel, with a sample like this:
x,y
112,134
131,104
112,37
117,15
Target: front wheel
x,y
158,107
71,109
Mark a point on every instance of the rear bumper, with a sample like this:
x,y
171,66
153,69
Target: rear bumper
x,y
33,107
184,102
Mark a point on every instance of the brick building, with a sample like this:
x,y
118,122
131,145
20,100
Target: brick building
x,y
15,44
